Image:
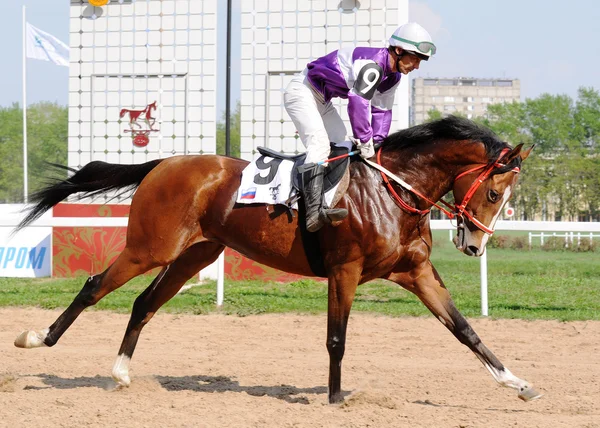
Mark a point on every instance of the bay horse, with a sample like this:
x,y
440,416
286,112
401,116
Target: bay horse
x,y
184,214
134,115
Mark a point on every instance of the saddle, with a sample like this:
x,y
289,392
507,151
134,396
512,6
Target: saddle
x,y
333,174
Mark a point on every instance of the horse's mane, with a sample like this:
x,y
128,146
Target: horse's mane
x,y
448,128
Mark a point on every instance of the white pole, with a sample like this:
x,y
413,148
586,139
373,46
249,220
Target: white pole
x,y
25,198
220,278
484,284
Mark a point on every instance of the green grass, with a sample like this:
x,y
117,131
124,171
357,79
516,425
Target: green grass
x,y
522,284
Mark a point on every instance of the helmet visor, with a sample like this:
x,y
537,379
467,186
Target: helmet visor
x,y
423,47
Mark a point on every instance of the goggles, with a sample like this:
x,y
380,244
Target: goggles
x,y
423,47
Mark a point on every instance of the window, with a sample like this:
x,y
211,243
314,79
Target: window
x,y
470,108
469,116
447,82
467,99
448,99
504,83
484,83
487,100
449,108
429,82
467,82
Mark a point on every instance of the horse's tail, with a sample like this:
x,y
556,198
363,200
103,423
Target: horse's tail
x,y
93,179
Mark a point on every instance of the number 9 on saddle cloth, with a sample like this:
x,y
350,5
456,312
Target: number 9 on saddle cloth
x,y
273,178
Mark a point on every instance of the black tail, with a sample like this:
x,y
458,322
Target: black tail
x,y
93,179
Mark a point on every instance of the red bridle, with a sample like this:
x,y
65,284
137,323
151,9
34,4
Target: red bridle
x,y
459,210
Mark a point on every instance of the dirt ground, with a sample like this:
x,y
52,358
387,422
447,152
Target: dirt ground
x,y
271,371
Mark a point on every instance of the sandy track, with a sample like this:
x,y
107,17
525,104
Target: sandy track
x,y
271,371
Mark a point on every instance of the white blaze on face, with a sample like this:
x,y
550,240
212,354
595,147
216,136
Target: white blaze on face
x,y
505,197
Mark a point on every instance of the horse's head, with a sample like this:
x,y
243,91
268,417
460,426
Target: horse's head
x,y
480,194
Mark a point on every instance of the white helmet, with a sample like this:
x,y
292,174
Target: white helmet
x,y
413,38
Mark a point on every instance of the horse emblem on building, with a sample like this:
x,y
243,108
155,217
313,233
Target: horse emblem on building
x,y
140,134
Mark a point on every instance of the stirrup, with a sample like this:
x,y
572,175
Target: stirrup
x,y
335,214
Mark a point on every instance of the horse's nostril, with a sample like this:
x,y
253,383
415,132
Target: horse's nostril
x,y
473,249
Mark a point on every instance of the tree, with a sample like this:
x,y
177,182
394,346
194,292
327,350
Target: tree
x,y
433,114
587,120
235,133
11,154
563,173
47,137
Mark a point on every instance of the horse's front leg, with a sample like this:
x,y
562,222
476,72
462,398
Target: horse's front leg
x,y
343,281
426,283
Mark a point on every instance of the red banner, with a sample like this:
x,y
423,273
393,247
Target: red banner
x,y
84,251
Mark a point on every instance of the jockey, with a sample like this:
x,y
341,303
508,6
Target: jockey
x,y
365,76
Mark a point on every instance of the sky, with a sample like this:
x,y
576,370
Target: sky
x,y
551,46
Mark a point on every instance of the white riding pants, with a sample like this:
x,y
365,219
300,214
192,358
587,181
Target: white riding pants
x,y
318,123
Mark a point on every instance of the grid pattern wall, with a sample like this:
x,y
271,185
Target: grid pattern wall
x,y
132,53
279,37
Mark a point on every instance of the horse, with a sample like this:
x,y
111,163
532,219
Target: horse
x,y
184,213
134,115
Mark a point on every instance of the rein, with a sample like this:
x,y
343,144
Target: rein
x,y
458,210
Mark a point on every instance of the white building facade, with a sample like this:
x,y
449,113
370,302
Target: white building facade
x,y
129,55
143,73
279,37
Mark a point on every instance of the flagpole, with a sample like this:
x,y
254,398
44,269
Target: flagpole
x,y
25,196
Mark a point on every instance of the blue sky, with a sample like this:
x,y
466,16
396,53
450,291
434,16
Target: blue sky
x,y
550,46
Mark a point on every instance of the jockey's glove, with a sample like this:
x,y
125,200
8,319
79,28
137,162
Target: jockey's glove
x,y
366,149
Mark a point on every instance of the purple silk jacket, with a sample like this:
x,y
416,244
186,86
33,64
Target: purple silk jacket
x,y
362,75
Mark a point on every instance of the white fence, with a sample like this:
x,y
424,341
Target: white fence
x,y
569,237
217,269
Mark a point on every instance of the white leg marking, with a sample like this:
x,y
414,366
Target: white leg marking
x,y
31,339
505,377
120,371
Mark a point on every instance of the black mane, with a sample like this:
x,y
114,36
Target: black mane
x,y
448,128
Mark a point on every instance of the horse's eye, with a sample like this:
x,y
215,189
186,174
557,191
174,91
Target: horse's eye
x,y
493,196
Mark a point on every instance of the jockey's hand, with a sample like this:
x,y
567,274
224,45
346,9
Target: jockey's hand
x,y
366,150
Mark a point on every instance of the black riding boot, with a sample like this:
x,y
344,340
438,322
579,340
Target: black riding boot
x,y
316,214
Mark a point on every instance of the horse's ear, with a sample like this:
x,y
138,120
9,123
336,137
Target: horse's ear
x,y
525,153
512,155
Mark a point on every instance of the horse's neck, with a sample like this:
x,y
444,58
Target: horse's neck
x,y
431,174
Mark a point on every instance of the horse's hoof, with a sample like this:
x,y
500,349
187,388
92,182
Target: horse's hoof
x,y
122,382
120,371
336,399
529,394
31,339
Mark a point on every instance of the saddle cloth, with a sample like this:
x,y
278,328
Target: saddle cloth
x,y
273,178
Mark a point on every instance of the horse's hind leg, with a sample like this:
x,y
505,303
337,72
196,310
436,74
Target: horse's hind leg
x,y
163,288
126,267
343,281
430,289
